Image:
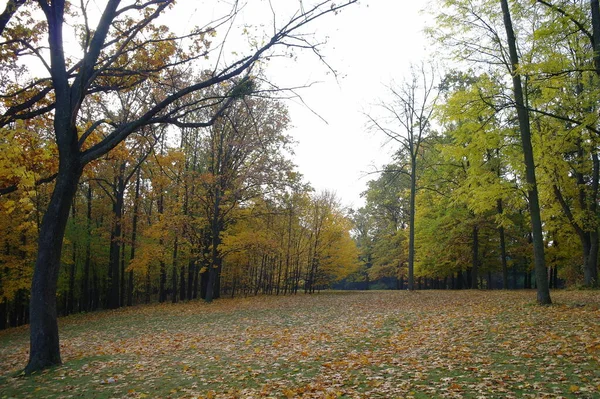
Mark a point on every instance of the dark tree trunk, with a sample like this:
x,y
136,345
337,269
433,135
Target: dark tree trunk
x,y
134,223
71,299
3,314
468,278
174,271
204,283
44,341
475,259
595,11
503,249
527,280
191,278
114,296
85,285
182,293
196,281
95,297
411,223
459,280
148,290
123,292
543,292
162,285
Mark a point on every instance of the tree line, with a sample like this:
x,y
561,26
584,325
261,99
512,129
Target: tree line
x,y
180,214
90,95
499,156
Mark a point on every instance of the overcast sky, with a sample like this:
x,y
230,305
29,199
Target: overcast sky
x,y
370,45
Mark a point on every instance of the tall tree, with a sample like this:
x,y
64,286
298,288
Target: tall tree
x,y
543,291
410,110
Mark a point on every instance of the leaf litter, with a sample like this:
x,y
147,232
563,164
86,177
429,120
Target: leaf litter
x,y
377,344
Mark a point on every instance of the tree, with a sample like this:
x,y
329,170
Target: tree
x,y
410,110
123,50
473,31
543,292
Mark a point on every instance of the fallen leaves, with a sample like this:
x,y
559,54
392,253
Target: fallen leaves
x,y
332,345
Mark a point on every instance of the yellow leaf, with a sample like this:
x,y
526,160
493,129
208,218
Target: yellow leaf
x,y
574,388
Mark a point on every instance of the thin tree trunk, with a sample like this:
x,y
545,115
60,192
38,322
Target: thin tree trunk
x,y
134,223
191,278
475,259
114,296
174,271
503,248
182,294
411,224
71,299
85,285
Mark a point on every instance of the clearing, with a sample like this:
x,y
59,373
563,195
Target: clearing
x,y
376,344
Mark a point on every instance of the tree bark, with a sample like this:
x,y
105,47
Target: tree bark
x,y
71,299
85,284
44,340
502,235
114,296
134,223
543,292
475,259
174,272
411,223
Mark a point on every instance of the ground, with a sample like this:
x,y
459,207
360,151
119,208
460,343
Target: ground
x,y
379,344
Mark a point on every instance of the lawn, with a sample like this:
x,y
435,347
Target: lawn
x,y
374,344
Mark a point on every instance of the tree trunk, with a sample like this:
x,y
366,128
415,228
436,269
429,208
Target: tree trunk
x,y
543,292
114,296
475,259
595,10
182,293
3,314
411,223
134,223
503,249
174,271
162,289
590,258
44,341
85,290
191,278
71,300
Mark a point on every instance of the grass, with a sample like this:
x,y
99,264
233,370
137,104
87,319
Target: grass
x,y
375,344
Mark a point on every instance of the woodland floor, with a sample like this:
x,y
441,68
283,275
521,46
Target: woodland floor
x,y
378,344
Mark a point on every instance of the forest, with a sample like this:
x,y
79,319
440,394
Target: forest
x,y
145,167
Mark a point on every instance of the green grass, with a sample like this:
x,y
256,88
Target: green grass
x,y
353,345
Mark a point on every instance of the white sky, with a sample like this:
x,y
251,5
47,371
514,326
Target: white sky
x,y
370,44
